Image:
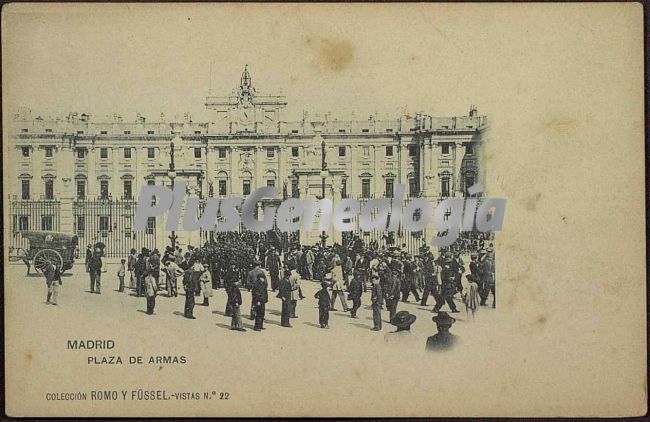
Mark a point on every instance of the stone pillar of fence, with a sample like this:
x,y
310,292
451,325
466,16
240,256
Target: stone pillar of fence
x,y
66,187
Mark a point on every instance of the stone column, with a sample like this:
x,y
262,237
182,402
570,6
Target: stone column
x,y
117,189
423,166
37,185
92,189
377,179
258,176
235,180
65,173
209,177
458,159
282,169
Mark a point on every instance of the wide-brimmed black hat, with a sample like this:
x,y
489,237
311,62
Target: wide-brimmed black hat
x,y
443,318
403,319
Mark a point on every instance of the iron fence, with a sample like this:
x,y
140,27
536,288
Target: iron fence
x,y
110,221
32,214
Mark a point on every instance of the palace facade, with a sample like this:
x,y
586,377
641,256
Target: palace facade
x,y
66,173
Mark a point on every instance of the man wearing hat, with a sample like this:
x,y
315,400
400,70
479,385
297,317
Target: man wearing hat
x,y
252,276
309,263
173,272
354,294
273,265
376,300
443,340
403,320
324,301
392,292
284,293
259,298
402,336
448,287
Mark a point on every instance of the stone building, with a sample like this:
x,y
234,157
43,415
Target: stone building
x,y
66,174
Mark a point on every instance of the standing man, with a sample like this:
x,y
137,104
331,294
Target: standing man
x,y
259,298
354,294
173,272
89,255
284,293
347,269
296,293
235,301
53,281
95,270
131,267
337,287
121,272
324,301
273,265
309,262
151,290
189,284
206,284
392,291
447,291
154,266
253,275
376,300
431,278
361,269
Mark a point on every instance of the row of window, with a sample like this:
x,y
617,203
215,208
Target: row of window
x,y
222,190
270,151
47,223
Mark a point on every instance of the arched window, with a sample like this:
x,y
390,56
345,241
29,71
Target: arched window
x,y
246,182
222,183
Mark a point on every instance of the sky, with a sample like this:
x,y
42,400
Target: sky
x,y
128,59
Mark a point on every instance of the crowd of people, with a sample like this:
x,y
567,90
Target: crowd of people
x,y
248,261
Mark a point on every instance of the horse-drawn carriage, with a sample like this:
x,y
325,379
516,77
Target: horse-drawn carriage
x,y
46,247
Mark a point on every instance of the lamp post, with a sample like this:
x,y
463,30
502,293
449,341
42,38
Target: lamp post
x,y
172,175
323,173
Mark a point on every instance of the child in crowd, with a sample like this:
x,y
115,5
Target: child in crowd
x,y
121,272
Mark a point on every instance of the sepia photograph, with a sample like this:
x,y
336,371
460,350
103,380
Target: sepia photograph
x,y
305,210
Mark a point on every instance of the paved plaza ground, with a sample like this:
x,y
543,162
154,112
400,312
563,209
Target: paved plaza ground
x,y
343,362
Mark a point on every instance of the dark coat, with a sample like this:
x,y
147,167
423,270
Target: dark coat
x,y
260,291
324,299
234,295
191,282
393,287
376,296
356,289
284,289
95,263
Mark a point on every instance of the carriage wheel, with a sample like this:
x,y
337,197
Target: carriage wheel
x,y
46,256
